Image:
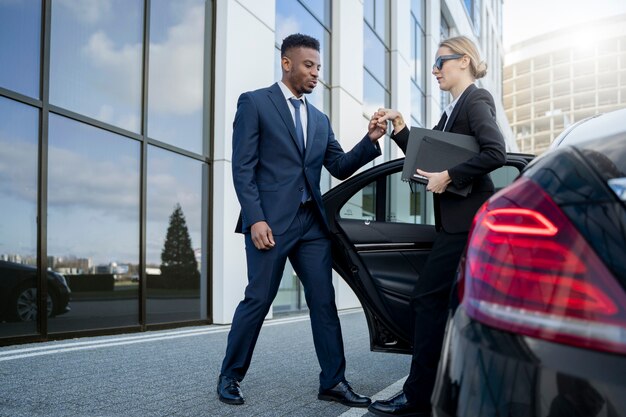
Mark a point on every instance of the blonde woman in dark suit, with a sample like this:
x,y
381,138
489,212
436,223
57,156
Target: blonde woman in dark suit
x,y
471,112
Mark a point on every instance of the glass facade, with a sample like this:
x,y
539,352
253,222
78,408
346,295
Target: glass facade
x,y
175,93
93,223
311,17
96,60
418,60
376,71
20,38
19,127
105,162
173,237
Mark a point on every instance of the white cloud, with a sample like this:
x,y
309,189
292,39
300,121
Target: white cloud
x,y
18,169
109,185
87,11
121,65
177,66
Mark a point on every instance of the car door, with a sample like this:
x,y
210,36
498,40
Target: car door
x,y
382,230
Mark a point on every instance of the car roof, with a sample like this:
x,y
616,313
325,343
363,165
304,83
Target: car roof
x,y
600,126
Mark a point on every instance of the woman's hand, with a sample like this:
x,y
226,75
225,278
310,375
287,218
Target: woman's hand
x,y
382,115
437,181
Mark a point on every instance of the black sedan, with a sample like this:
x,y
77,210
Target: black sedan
x,y
18,292
541,326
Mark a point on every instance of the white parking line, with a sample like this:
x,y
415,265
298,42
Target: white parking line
x,y
391,390
21,353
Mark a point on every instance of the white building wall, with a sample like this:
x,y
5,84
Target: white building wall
x,y
244,60
346,98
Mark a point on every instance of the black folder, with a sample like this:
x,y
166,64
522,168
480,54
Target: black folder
x,y
436,151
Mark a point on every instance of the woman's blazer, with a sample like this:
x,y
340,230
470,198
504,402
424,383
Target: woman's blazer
x,y
474,114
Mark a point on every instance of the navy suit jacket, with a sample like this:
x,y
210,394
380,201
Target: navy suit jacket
x,y
269,170
475,115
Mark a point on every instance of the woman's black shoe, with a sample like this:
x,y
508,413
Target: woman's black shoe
x,y
398,406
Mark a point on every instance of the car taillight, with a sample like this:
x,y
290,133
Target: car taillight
x,y
527,270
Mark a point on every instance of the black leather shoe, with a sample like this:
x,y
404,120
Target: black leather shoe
x,y
344,394
398,406
228,390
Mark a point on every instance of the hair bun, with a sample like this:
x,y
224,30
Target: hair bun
x,y
481,69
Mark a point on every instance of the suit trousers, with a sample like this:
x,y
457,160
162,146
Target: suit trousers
x,y
306,245
429,305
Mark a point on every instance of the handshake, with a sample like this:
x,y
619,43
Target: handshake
x,y
437,181
378,123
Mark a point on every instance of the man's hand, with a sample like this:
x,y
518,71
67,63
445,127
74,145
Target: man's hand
x,y
437,181
376,130
261,235
382,115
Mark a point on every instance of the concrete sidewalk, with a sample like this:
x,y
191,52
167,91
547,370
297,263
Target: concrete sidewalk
x,y
174,372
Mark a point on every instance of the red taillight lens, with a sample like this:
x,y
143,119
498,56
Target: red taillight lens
x,y
527,270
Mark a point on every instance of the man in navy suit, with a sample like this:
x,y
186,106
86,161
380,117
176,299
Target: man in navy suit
x,y
280,143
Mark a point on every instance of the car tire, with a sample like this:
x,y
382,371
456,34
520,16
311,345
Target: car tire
x,y
23,304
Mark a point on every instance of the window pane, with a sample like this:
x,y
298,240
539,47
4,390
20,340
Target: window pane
x,y
408,202
368,12
417,8
173,236
96,59
321,9
292,18
419,60
374,55
176,88
93,223
374,95
414,29
20,34
382,7
19,127
504,176
417,104
362,205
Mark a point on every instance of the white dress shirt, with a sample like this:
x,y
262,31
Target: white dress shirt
x,y
303,109
449,109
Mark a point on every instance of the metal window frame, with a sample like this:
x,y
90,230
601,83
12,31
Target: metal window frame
x,y
45,108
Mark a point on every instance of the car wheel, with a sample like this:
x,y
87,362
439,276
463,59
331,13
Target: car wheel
x,y
24,306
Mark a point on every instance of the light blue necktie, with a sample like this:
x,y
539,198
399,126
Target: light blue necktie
x,y
300,135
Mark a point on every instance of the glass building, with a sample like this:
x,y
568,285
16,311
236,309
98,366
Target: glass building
x,y
118,208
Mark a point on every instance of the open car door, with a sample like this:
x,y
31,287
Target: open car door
x,y
382,230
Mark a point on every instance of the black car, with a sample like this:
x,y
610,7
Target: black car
x,y
541,326
18,292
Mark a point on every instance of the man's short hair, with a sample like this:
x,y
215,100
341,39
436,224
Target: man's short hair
x,y
298,40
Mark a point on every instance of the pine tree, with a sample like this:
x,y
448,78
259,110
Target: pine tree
x,y
179,268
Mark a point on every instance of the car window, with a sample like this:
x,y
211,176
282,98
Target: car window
x,y
405,202
361,205
408,202
504,176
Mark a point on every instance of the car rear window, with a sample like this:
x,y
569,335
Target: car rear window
x,y
607,156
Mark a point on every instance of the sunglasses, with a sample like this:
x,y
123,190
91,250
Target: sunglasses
x,y
443,58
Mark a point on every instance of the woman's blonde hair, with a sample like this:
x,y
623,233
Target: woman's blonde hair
x,y
463,45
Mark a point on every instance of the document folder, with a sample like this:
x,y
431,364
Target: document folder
x,y
436,151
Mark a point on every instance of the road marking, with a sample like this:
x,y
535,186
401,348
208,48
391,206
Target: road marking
x,y
21,353
388,392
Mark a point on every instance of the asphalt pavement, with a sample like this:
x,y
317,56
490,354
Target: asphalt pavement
x,y
174,373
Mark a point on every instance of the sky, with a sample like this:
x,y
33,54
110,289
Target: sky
x,y
524,19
